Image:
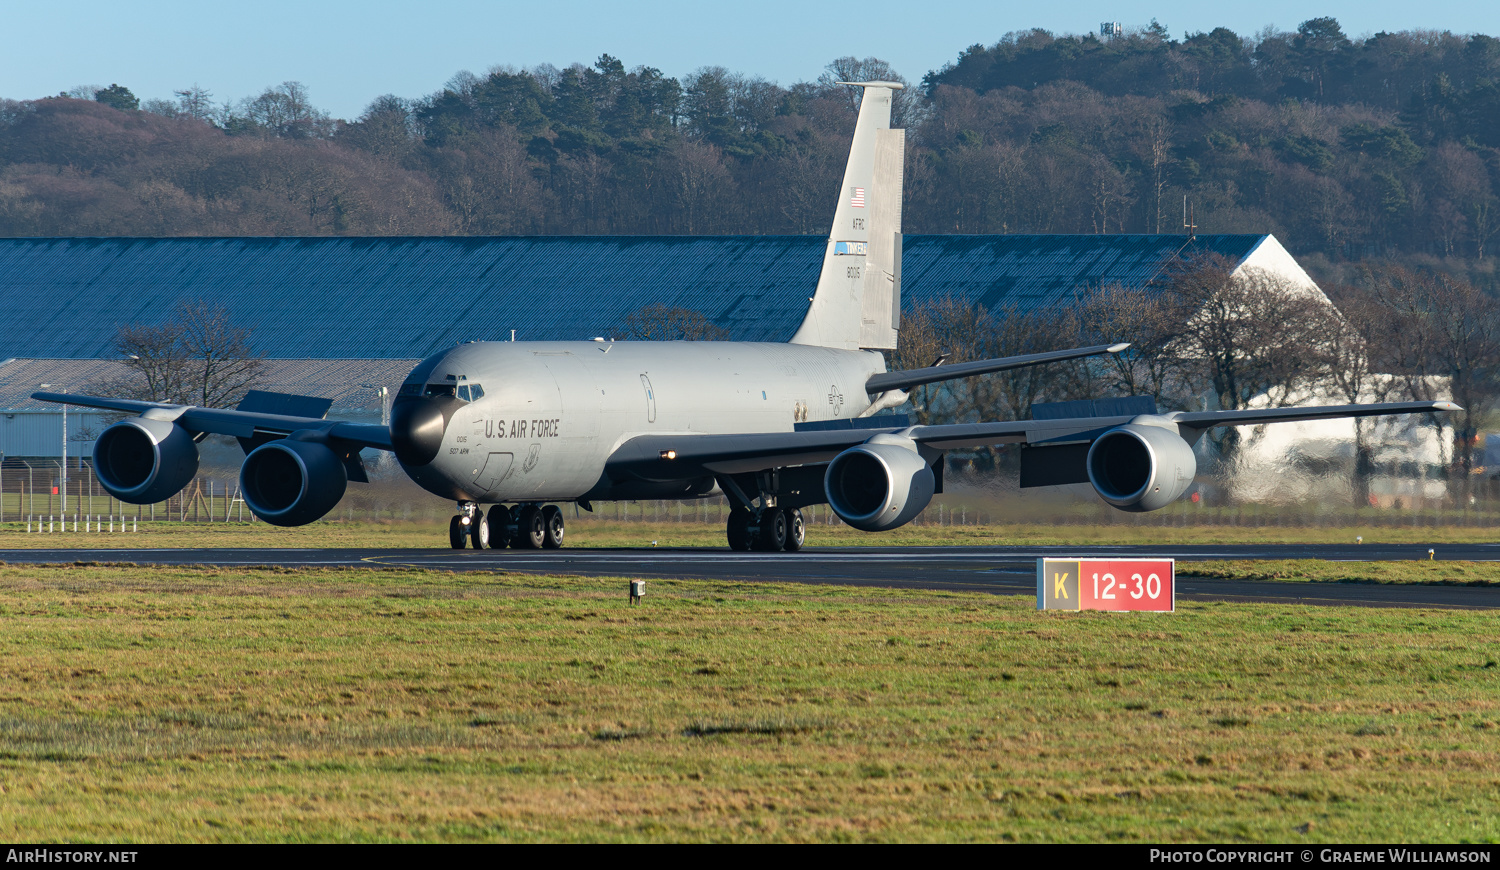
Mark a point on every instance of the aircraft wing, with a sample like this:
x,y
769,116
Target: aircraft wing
x,y
240,424
674,457
932,374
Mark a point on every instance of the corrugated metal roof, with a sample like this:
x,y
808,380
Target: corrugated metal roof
x,y
402,298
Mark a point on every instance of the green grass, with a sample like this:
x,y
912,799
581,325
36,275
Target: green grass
x,y
224,705
1416,571
597,532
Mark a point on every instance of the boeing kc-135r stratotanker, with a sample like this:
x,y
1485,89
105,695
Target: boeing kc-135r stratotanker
x,y
521,426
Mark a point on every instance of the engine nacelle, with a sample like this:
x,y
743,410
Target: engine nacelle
x,y
1140,468
881,484
143,461
292,482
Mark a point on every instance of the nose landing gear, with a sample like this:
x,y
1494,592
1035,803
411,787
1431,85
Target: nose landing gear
x,y
466,525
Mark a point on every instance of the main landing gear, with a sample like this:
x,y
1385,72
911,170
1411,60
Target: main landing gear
x,y
521,527
769,530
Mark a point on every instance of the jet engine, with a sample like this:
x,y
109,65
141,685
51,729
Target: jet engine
x,y
881,484
292,482
1140,467
143,461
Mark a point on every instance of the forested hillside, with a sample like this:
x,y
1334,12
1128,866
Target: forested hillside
x,y
1344,149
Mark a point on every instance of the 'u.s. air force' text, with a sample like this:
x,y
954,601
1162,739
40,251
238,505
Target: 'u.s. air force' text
x,y
521,428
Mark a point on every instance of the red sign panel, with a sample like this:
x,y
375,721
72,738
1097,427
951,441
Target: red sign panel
x,y
1106,584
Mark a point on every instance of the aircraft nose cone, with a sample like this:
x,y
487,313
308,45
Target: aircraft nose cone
x,y
417,427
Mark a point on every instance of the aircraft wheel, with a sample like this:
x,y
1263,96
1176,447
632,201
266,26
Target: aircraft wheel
x,y
456,534
552,527
738,530
796,529
479,530
773,531
499,525
531,530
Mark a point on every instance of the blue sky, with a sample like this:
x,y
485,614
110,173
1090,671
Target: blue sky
x,y
347,53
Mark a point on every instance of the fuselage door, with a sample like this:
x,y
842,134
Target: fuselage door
x,y
496,467
650,399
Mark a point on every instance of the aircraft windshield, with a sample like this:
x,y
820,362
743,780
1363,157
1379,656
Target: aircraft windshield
x,y
470,392
441,390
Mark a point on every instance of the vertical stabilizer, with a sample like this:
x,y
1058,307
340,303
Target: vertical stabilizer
x,y
857,303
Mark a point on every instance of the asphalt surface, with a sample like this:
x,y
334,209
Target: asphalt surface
x,y
997,570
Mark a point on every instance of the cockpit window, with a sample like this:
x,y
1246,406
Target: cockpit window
x,y
471,392
410,390
440,390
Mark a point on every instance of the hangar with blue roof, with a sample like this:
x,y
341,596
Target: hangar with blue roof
x,y
371,303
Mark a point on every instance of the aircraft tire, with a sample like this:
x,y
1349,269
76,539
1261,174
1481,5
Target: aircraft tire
x,y
456,536
772,535
737,529
531,529
553,527
479,531
796,529
499,523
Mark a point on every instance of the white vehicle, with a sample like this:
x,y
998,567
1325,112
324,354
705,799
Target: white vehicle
x,y
522,426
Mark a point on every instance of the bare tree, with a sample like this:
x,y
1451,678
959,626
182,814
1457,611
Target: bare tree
x,y
155,357
1246,334
1141,317
223,364
950,329
657,322
907,108
1441,331
199,357
1350,344
1014,330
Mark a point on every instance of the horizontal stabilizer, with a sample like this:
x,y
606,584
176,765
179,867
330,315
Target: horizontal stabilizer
x,y
932,374
286,404
1127,406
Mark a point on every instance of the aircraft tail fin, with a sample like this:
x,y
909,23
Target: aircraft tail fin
x,y
858,300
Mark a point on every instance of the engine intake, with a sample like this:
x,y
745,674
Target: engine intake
x,y
1140,467
292,482
879,485
142,461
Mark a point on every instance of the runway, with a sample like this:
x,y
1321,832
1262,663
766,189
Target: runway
x,y
995,570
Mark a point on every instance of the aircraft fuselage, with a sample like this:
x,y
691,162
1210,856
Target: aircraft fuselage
x,y
546,416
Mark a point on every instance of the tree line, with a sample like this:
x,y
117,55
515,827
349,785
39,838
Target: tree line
x,y
1209,336
1344,149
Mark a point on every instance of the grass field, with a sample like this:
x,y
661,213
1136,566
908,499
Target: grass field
x,y
591,532
222,705
1454,573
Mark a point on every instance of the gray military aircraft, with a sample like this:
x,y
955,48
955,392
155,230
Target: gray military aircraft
x,y
521,426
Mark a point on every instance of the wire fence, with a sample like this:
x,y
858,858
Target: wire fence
x,y
36,491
